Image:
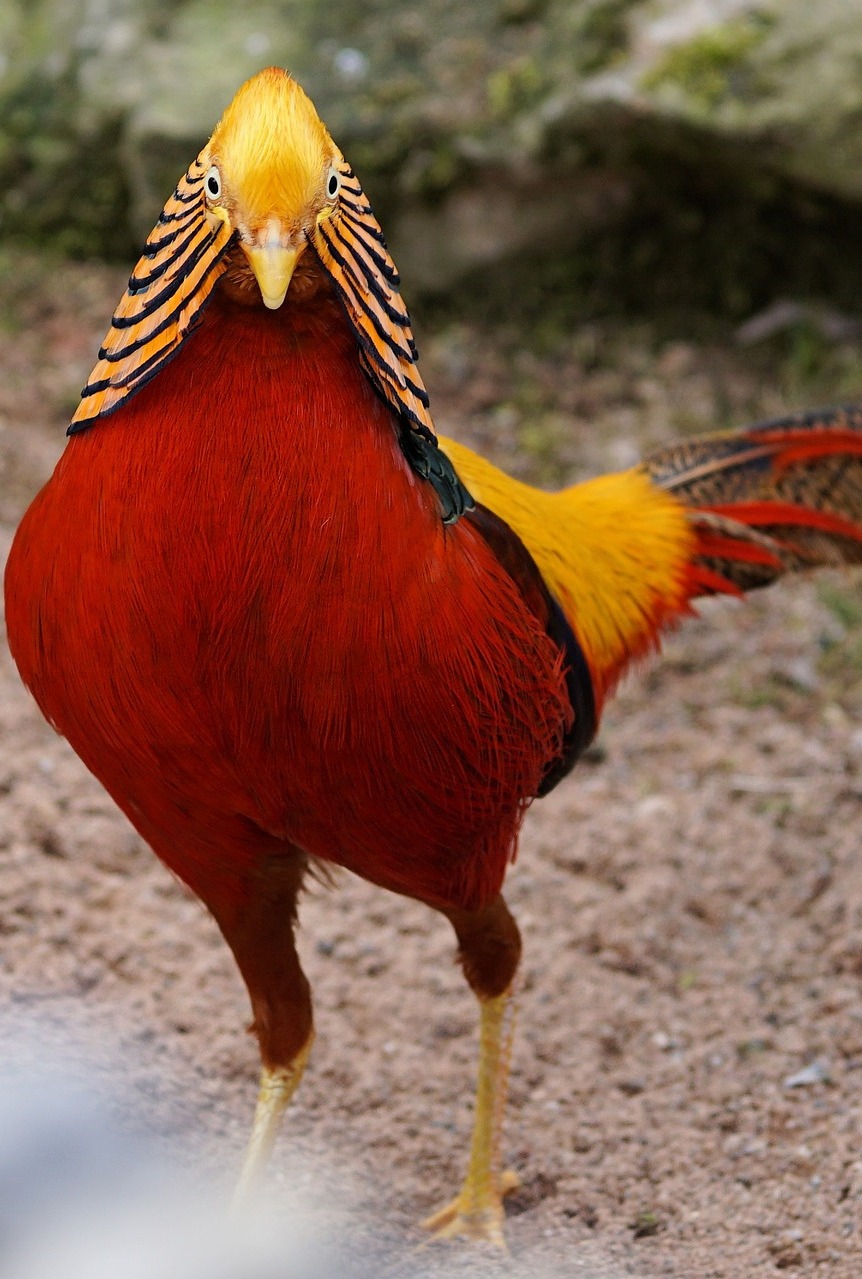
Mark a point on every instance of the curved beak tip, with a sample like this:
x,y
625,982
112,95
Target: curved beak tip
x,y
273,266
273,301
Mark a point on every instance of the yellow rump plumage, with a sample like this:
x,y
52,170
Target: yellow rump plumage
x,y
613,551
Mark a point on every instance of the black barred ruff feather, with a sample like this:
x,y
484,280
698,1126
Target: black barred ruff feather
x,y
352,250
182,259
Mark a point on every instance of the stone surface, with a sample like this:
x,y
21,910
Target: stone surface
x,y
483,131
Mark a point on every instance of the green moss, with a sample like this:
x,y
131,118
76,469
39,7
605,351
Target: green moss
x,y
818,368
840,662
403,86
707,68
541,435
774,691
603,34
513,12
646,1223
21,277
748,1048
514,87
433,170
62,187
841,666
844,605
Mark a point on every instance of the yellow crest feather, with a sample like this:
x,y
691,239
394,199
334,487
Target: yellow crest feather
x,y
272,147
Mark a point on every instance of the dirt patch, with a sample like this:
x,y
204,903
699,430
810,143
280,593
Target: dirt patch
x,y
686,1077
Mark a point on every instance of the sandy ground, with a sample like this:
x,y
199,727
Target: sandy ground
x,y
685,1094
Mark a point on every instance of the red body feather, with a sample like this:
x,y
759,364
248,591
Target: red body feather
x,y
240,606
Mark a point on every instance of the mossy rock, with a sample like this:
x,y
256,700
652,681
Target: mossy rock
x,y
492,137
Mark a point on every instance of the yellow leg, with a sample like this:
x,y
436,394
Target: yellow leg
x,y
277,1086
477,1211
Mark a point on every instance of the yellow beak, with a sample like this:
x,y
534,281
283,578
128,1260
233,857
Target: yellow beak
x,y
273,267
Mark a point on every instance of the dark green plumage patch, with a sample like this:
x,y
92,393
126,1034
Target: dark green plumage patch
x,y
429,462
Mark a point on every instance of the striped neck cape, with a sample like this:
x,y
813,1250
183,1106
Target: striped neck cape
x,y
184,256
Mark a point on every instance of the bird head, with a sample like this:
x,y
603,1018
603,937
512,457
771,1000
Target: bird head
x,y
273,177
268,189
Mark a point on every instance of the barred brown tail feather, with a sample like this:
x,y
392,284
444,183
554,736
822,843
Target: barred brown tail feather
x,y
780,496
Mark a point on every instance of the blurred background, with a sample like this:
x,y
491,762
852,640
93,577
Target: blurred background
x,y
617,221
635,155
591,179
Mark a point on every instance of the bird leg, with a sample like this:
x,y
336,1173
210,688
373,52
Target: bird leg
x,y
489,948
277,1086
261,935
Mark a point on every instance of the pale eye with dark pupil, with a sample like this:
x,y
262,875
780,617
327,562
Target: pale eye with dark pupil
x,y
212,183
332,186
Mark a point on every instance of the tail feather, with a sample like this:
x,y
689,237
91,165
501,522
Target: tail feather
x,y
623,555
777,497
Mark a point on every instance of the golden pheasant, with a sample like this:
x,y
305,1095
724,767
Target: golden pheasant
x,y
283,623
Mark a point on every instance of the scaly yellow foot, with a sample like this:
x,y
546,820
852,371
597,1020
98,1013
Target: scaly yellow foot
x,y
477,1211
277,1086
473,1215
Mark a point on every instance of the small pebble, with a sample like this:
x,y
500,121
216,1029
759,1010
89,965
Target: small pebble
x,y
816,1073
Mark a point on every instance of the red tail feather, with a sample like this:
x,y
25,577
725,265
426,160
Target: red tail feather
x,y
772,514
790,448
785,495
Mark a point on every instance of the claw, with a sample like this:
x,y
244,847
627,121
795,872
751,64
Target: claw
x,y
469,1217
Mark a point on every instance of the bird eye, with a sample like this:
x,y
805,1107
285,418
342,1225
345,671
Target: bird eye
x,y
212,183
333,184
